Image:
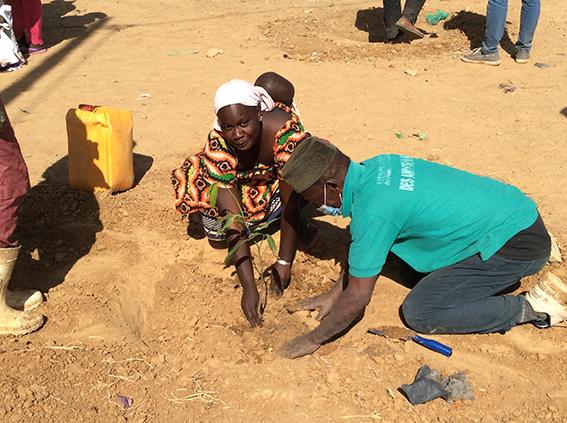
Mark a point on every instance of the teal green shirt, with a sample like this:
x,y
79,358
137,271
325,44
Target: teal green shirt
x,y
429,215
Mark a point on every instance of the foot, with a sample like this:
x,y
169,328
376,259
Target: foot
x,y
555,255
522,56
477,56
24,300
14,322
36,49
13,67
541,324
549,296
405,25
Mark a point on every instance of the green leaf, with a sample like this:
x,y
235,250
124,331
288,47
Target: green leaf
x,y
213,193
227,221
240,219
272,245
263,226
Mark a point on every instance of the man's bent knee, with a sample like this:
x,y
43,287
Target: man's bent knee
x,y
418,316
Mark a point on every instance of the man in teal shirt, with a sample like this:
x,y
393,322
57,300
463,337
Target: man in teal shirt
x,y
472,236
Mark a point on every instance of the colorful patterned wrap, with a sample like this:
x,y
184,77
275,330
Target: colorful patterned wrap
x,y
217,163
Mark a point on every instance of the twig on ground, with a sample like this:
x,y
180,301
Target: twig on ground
x,y
374,415
128,378
64,347
57,399
208,397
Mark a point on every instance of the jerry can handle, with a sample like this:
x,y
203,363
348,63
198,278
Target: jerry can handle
x,y
88,107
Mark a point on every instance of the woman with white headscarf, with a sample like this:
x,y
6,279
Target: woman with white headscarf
x,y
252,138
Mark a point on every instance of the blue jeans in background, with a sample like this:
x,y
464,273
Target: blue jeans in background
x,y
496,22
464,297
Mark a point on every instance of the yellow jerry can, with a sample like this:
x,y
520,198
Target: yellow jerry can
x,y
100,148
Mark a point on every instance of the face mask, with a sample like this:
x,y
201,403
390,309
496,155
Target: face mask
x,y
329,210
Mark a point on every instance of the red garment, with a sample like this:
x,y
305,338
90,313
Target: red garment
x,y
27,19
14,180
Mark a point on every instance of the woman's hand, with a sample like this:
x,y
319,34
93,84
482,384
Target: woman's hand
x,y
250,304
280,278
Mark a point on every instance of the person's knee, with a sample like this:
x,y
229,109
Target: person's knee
x,y
418,315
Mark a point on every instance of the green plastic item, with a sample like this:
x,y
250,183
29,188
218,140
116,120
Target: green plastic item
x,y
435,18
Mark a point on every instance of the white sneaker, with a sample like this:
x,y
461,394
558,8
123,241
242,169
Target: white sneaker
x,y
549,296
555,256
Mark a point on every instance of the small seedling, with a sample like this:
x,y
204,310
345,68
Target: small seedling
x,y
253,235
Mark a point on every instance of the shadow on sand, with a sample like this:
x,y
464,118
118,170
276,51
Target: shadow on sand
x,y
472,25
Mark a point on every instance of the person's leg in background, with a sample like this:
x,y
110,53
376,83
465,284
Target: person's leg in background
x,y
487,54
392,12
496,12
409,17
8,221
14,183
33,13
528,24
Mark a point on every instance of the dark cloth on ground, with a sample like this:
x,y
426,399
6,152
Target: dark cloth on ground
x,y
429,385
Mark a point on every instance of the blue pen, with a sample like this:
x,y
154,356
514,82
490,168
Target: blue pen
x,y
436,346
427,343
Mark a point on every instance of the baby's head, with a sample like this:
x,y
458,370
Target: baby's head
x,y
279,88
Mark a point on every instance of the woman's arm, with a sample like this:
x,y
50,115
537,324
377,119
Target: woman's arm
x,y
288,240
242,258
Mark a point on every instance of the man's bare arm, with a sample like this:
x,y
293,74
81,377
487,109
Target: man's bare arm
x,y
350,305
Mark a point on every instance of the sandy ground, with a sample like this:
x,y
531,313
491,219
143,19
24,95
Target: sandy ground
x,y
138,308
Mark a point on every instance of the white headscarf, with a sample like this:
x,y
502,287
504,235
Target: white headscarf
x,y
238,91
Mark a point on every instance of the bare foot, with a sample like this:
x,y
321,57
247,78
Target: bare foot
x,y
405,25
298,347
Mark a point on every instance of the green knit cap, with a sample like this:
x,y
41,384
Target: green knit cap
x,y
308,162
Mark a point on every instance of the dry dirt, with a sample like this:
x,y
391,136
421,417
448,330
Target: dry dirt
x,y
138,308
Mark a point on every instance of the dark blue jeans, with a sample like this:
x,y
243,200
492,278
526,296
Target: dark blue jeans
x,y
464,297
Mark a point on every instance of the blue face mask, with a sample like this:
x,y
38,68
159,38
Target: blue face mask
x,y
329,210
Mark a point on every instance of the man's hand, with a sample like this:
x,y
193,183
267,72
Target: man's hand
x,y
322,303
347,310
250,304
299,346
280,278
